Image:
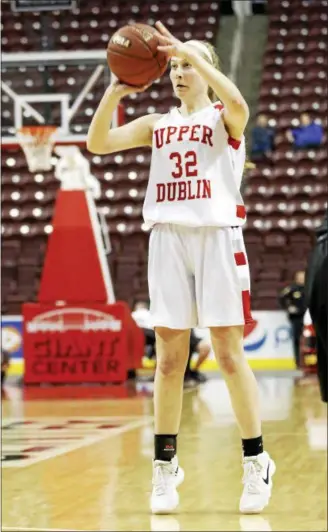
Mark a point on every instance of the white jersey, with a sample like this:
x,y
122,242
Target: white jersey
x,y
196,171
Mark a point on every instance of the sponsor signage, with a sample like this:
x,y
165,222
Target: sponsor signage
x,y
74,343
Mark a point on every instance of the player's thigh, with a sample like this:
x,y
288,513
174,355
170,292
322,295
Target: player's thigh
x,y
171,287
222,279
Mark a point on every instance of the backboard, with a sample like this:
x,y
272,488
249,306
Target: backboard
x,y
54,88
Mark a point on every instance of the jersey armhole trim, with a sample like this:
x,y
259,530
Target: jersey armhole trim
x,y
234,143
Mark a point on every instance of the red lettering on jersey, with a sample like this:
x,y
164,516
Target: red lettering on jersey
x,y
182,187
159,137
190,194
193,131
171,191
182,131
196,133
198,193
206,189
184,190
160,192
219,106
207,135
171,130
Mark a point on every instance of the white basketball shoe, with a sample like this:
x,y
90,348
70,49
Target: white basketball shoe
x,y
257,480
167,476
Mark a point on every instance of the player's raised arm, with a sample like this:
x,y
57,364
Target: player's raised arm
x,y
236,112
101,139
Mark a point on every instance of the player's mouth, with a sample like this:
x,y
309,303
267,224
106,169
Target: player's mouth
x,y
181,86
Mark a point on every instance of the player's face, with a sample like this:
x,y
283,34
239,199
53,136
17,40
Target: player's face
x,y
187,83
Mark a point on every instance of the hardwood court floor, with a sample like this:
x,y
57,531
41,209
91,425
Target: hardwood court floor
x,y
83,461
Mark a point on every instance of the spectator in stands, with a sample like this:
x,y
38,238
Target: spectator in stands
x,y
141,316
307,135
262,138
292,300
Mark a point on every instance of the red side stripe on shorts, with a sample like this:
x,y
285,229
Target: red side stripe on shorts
x,y
234,143
240,211
246,298
219,106
240,258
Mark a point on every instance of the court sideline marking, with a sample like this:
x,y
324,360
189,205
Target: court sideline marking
x,y
145,420
137,422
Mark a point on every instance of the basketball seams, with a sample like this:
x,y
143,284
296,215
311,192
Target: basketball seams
x,y
118,52
149,49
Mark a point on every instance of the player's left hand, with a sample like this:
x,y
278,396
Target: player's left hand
x,y
170,44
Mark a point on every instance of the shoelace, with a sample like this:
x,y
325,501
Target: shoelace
x,y
159,481
251,478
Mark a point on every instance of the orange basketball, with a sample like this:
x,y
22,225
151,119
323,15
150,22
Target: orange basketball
x,y
133,57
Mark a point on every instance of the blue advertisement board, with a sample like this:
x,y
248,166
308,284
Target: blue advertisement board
x,y
12,342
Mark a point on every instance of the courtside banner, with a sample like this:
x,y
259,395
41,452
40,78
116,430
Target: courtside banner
x,y
12,342
74,343
267,342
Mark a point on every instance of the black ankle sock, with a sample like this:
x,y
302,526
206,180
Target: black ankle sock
x,y
165,446
252,446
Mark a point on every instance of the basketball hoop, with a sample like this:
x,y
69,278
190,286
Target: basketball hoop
x,y
37,143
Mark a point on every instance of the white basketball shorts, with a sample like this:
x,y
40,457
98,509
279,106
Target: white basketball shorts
x,y
198,277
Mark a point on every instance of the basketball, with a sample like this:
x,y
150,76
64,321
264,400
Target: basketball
x,y
133,57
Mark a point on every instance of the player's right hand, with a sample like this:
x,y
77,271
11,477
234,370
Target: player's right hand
x,y
121,89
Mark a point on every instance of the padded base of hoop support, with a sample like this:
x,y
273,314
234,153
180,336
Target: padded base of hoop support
x,y
84,343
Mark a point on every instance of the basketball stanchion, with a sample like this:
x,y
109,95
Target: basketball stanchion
x,y
78,332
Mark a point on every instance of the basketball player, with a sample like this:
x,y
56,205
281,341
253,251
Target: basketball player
x,y
198,271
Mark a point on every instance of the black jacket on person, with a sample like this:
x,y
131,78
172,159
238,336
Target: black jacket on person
x,y
317,255
316,296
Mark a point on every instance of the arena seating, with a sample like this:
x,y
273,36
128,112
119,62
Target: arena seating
x,y
285,196
77,30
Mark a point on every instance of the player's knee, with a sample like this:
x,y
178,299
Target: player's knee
x,y
169,364
171,344
228,363
228,347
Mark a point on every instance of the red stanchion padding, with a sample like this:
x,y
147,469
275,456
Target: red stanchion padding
x,y
76,343
135,340
75,267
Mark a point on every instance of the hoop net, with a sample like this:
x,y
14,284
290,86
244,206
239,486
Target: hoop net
x,y
37,143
